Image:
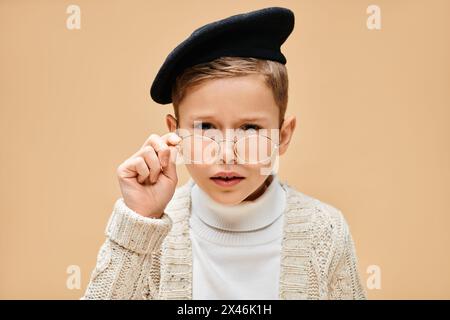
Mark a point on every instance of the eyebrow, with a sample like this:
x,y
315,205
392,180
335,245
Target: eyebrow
x,y
213,118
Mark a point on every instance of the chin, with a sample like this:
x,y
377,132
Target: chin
x,y
229,198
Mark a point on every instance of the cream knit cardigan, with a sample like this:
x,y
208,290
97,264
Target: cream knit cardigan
x,y
145,258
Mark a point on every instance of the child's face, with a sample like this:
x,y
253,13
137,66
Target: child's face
x,y
244,103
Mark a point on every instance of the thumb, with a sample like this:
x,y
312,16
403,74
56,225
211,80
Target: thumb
x,y
170,171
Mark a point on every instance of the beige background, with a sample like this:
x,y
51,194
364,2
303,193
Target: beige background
x,y
373,135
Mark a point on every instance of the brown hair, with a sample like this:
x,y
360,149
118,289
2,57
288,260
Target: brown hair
x,y
275,74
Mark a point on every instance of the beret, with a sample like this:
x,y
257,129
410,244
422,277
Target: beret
x,y
258,34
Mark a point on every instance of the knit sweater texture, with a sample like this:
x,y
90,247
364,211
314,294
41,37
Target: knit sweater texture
x,y
150,258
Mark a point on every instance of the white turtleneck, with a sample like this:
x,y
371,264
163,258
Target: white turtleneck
x,y
236,249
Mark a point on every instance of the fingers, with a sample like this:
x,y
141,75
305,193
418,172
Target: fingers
x,y
134,167
151,160
171,171
172,138
158,154
141,168
156,141
161,145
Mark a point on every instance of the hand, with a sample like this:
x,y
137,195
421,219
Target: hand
x,y
148,178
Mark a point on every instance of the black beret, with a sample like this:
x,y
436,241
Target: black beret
x,y
258,34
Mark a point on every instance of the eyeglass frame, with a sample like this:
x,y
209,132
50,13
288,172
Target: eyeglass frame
x,y
235,140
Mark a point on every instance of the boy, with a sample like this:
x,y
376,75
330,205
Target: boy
x,y
234,231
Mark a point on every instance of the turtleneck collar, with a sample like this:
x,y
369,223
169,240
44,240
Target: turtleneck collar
x,y
245,216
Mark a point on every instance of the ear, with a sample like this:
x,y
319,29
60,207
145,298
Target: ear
x,y
171,122
286,132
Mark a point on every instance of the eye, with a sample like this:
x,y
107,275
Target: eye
x,y
250,126
204,126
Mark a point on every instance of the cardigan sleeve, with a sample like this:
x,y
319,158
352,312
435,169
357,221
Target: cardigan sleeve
x,y
125,267
345,283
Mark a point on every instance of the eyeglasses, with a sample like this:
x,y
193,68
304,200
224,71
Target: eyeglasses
x,y
250,148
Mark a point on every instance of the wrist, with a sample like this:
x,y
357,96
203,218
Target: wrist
x,y
146,213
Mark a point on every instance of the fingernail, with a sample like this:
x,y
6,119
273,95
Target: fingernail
x,y
177,138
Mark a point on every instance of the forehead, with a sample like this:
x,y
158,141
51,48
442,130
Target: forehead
x,y
244,97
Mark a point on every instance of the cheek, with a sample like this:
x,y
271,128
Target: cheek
x,y
254,178
257,172
198,170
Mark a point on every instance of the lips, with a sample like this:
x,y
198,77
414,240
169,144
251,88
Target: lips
x,y
227,174
227,179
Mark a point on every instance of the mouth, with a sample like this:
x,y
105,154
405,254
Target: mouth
x,y
227,179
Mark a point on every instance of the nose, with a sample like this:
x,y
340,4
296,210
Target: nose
x,y
227,155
